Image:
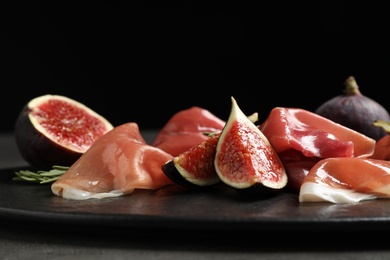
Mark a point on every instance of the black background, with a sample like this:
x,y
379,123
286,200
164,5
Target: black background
x,y
142,62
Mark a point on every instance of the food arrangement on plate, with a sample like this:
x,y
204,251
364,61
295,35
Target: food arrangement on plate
x,y
337,154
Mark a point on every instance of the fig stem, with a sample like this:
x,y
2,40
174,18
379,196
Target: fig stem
x,y
351,86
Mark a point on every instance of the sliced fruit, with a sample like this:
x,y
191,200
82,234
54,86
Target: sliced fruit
x,y
245,158
56,130
195,167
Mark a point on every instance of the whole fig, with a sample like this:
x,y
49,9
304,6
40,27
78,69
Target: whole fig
x,y
355,110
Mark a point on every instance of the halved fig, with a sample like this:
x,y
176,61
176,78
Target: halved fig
x,y
56,130
245,159
194,167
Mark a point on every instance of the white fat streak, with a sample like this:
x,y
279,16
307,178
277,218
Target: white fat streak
x,y
314,192
76,194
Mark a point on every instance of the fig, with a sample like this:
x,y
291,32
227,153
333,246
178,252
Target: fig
x,y
355,110
56,130
195,167
245,159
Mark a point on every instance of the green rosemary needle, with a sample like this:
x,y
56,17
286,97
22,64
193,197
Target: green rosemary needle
x,y
41,177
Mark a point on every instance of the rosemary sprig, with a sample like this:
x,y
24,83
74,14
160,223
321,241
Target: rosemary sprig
x,y
41,177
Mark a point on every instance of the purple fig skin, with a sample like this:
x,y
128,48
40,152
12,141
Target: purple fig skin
x,y
172,173
355,110
36,149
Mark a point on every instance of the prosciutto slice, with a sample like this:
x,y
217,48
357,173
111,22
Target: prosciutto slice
x,y
115,165
313,135
382,149
346,180
187,128
302,138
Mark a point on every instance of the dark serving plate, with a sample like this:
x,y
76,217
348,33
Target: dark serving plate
x,y
176,209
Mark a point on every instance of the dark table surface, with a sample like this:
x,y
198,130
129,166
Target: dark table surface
x,y
22,240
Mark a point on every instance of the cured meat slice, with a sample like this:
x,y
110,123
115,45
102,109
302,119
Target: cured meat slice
x,y
346,180
313,135
116,164
186,129
382,149
302,138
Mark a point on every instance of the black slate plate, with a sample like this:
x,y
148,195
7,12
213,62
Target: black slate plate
x,y
176,209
